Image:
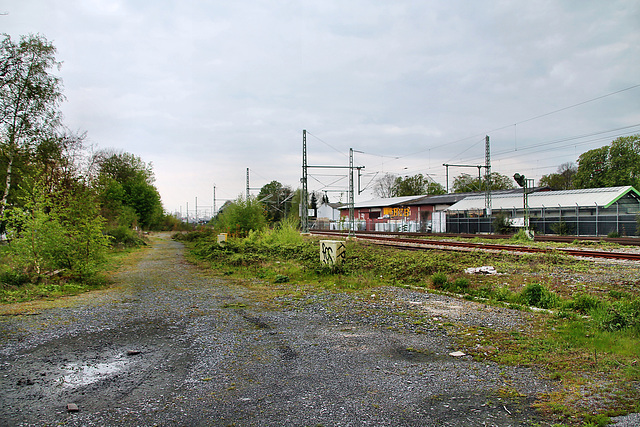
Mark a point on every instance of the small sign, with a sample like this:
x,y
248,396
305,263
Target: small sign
x,y
332,251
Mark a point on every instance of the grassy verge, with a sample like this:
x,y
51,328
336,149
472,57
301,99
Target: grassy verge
x,y
586,335
14,288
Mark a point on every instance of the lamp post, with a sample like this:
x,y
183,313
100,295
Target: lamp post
x,y
525,184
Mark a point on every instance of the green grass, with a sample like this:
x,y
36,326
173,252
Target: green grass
x,y
15,287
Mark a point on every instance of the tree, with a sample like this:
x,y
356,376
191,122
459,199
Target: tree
x,y
466,183
29,100
240,217
417,185
57,232
610,166
127,193
396,186
276,199
385,186
562,179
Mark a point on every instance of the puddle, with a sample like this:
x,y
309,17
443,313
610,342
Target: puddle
x,y
80,375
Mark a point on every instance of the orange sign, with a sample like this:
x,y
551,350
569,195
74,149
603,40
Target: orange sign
x,y
395,212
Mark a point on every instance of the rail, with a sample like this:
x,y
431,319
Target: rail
x,y
409,243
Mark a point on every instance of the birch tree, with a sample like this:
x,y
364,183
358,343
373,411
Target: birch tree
x,y
29,100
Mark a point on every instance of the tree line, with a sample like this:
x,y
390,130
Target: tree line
x,y
63,203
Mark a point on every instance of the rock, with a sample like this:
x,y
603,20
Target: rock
x,y
72,407
485,269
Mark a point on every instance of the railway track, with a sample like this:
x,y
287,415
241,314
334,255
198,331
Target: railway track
x,y
629,241
423,244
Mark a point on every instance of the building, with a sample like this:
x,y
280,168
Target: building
x,y
410,213
583,212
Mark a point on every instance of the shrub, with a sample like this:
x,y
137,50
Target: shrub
x,y
561,228
13,278
55,232
536,295
461,284
125,237
618,315
501,224
241,217
281,278
439,280
584,303
504,294
613,234
521,236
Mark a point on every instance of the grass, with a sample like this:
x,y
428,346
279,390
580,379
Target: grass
x,y
15,288
587,340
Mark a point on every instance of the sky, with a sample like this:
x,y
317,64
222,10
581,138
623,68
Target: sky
x,y
204,90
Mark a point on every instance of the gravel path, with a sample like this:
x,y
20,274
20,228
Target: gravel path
x,y
172,346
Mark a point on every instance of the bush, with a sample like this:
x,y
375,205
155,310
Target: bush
x,y
561,228
56,232
125,237
241,217
501,224
13,278
461,284
536,295
584,303
618,315
439,280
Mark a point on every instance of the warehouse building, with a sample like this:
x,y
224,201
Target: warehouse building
x,y
583,212
409,213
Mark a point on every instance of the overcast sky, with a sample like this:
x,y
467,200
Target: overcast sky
x,y
206,89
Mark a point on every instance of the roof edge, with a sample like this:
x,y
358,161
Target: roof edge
x,y
629,189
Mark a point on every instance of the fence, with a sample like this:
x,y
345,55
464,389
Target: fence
x,y
591,225
575,224
388,226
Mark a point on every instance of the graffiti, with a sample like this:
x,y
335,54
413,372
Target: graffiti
x,y
341,252
327,254
332,251
396,212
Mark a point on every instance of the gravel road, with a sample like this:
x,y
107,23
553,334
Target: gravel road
x,y
171,345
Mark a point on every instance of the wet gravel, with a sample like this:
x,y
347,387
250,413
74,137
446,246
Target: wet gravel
x,y
174,346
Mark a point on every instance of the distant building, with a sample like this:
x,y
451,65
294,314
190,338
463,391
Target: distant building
x,y
410,213
588,211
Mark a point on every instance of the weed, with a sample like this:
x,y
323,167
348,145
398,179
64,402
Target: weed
x,y
584,303
281,278
536,295
461,284
439,280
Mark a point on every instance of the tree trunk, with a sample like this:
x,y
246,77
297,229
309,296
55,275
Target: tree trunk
x,y
7,186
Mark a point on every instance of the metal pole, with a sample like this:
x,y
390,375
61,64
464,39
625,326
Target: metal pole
x,y
447,169
351,195
247,183
487,166
304,203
